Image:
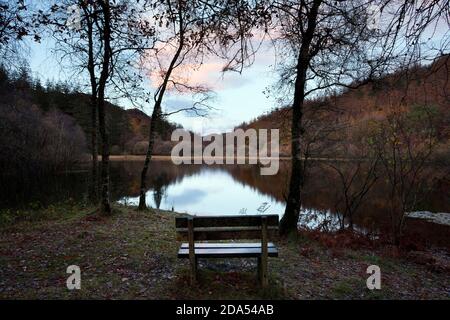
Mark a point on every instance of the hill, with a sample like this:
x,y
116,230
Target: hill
x,y
48,127
128,128
335,123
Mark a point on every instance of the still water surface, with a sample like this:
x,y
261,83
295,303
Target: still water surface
x,y
231,189
210,192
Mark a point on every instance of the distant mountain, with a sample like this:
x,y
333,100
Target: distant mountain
x,y
128,129
139,124
337,118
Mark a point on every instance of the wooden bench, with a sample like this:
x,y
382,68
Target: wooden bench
x,y
196,229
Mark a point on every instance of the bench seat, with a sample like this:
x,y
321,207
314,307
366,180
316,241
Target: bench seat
x,y
227,250
215,237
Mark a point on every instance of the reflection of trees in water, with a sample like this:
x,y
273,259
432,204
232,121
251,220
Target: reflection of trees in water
x,y
321,193
159,188
322,188
125,177
19,192
249,175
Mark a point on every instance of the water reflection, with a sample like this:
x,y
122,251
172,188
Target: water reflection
x,y
231,189
211,191
240,189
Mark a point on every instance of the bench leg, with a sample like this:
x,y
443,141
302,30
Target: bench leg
x,y
262,272
192,257
263,276
259,269
193,264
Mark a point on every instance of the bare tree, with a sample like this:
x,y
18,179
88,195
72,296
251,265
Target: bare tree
x,y
407,139
405,142
200,27
356,180
328,44
108,39
104,74
15,26
323,45
191,25
35,143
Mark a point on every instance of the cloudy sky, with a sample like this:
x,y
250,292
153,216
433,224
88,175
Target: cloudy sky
x,y
236,97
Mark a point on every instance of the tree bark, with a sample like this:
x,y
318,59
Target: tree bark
x,y
289,221
156,115
105,207
93,102
151,141
94,151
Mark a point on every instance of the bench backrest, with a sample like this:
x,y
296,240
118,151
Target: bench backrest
x,y
227,227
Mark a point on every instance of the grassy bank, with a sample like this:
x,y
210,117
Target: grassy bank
x,y
132,255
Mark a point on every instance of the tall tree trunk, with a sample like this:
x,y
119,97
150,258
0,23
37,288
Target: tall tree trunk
x,y
289,221
93,101
156,115
105,207
94,151
151,142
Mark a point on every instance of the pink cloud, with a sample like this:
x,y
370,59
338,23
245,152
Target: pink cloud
x,y
207,73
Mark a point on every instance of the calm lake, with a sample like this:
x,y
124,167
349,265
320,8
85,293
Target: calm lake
x,y
234,189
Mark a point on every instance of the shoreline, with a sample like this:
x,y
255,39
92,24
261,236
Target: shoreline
x,y
126,157
123,253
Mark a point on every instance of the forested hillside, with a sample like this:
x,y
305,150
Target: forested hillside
x,y
334,126
50,124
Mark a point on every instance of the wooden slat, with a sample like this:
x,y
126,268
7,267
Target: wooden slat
x,y
264,253
227,235
227,252
228,228
191,251
205,245
221,221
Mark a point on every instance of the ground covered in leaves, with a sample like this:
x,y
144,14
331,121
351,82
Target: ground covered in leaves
x,y
132,255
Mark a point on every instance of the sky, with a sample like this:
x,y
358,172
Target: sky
x,y
236,97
